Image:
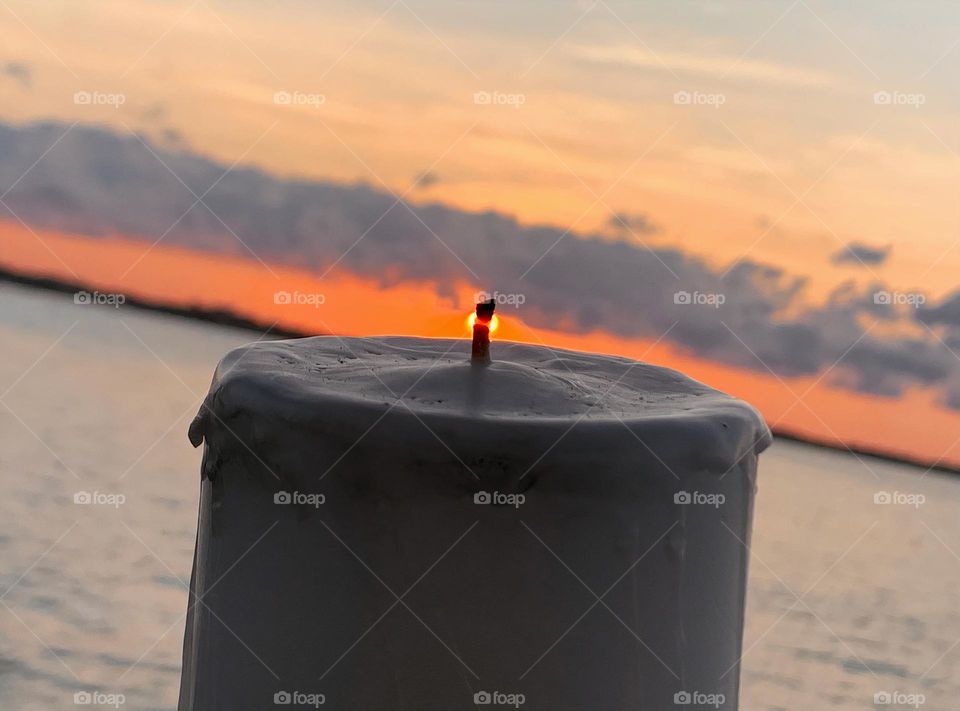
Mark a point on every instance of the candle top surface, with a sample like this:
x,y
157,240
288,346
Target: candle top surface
x,y
302,380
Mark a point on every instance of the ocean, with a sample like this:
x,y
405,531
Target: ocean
x,y
854,582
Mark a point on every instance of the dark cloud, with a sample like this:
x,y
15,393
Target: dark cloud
x,y
889,367
944,319
637,223
951,397
861,254
755,316
19,72
426,179
946,313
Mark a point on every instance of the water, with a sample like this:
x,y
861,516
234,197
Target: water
x,y
92,596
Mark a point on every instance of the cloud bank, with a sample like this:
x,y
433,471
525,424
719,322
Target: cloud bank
x,y
96,182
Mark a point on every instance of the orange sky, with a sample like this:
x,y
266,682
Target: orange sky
x,y
353,306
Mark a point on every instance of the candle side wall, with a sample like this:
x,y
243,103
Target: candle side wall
x,y
303,594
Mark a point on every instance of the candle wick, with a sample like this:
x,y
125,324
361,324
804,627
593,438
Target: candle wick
x,y
480,352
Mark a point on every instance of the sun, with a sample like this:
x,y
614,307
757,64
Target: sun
x,y
471,319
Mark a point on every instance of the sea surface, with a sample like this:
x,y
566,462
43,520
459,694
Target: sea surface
x,y
849,599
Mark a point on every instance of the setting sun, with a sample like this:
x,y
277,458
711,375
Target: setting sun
x,y
494,322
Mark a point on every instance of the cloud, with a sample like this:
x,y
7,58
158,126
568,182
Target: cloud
x,y
709,66
887,367
96,182
946,313
426,179
945,318
637,223
861,254
19,72
952,397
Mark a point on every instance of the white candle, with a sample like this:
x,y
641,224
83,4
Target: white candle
x,y
384,526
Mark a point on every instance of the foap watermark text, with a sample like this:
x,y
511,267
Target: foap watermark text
x,y
96,298
699,698
299,298
899,98
285,498
99,498
99,98
899,699
500,298
299,98
699,498
99,698
899,298
497,498
699,298
299,698
499,98
899,498
498,698
699,98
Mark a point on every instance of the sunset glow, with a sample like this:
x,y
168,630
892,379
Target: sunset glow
x,y
804,406
472,319
744,193
552,354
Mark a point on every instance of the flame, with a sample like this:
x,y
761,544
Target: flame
x,y
472,318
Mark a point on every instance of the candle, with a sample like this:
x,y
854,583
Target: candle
x,y
384,525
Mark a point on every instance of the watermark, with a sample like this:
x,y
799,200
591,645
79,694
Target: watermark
x,y
699,98
496,498
500,298
898,698
296,497
299,298
699,698
899,498
899,298
498,698
299,98
99,498
499,98
299,698
96,298
698,498
899,98
99,98
699,298
98,698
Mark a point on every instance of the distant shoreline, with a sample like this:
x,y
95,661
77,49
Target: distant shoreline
x,y
860,451
223,317
220,317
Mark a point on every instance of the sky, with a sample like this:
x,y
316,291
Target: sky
x,y
763,195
